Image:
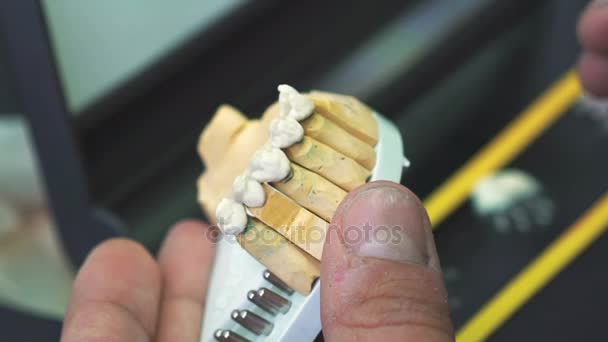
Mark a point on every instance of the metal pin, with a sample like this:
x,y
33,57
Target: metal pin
x,y
252,322
274,300
264,305
229,336
274,280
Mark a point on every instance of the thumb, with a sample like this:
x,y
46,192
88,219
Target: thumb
x,y
380,275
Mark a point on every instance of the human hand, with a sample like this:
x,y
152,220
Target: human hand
x,y
370,289
122,293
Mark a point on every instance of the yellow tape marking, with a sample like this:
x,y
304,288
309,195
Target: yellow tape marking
x,y
504,147
537,274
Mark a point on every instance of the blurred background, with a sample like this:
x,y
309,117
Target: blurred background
x,y
138,80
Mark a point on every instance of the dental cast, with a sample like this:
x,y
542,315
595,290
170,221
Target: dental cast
x,y
248,191
269,164
293,104
231,216
285,132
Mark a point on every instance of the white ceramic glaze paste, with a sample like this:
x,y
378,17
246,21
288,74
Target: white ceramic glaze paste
x,y
285,132
269,163
232,217
248,191
293,104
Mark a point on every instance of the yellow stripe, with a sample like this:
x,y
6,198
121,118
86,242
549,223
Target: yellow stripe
x,y
503,148
500,151
537,274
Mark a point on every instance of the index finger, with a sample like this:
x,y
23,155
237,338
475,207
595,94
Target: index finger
x,y
185,260
116,295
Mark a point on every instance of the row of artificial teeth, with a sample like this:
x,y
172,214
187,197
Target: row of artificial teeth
x,y
269,163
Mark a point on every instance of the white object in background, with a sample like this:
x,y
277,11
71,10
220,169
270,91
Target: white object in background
x,y
31,257
596,104
501,191
596,108
18,177
19,185
9,218
236,272
513,200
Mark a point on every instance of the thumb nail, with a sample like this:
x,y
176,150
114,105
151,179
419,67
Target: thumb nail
x,y
387,222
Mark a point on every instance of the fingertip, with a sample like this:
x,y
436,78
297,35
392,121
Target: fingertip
x,y
385,183
592,28
186,258
593,73
380,275
190,224
120,256
115,246
371,185
121,280
186,233
187,254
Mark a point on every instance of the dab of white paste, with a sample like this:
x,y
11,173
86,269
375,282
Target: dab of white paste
x,y
231,216
500,191
285,132
269,164
293,104
248,191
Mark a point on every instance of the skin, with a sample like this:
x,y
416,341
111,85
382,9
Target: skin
x,y
593,36
122,293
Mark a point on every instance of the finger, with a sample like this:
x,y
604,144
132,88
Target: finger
x,y
593,71
380,275
593,35
115,296
185,260
593,28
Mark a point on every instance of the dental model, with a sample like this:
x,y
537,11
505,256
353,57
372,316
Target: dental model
x,y
273,185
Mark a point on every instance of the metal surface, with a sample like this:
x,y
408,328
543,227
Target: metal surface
x,y
252,322
274,280
255,298
274,300
228,336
